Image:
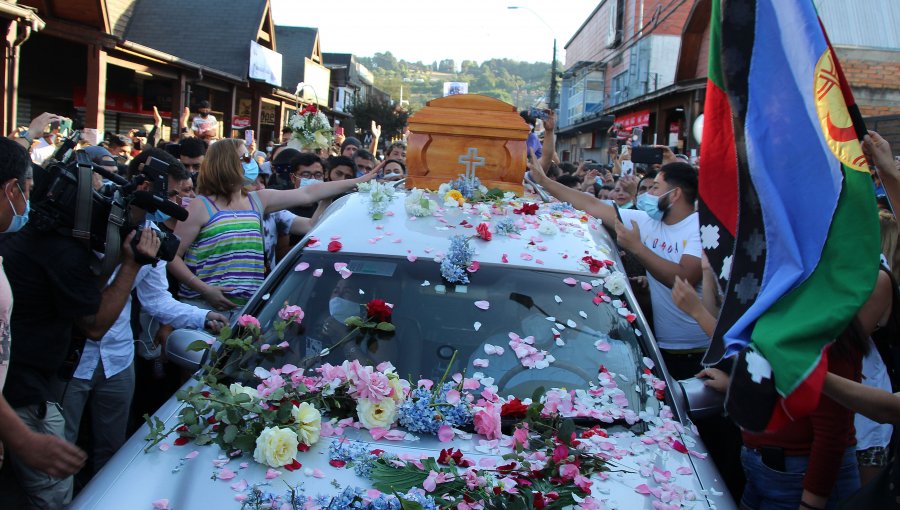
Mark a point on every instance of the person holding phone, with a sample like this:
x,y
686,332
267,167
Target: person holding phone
x,y
664,236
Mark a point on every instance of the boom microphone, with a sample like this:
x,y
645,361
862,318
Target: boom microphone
x,y
152,203
110,176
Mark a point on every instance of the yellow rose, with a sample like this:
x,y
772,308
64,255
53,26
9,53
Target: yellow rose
x,y
308,420
398,387
276,447
237,388
376,415
455,195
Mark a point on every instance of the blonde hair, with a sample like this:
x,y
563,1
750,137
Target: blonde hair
x,y
628,186
221,173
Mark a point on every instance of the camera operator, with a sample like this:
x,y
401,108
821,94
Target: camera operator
x,y
105,373
42,452
57,297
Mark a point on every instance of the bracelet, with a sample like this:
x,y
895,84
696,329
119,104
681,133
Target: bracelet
x,y
804,504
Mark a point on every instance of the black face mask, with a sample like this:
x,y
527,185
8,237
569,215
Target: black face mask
x,y
204,114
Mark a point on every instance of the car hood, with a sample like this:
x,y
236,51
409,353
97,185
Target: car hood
x,y
195,477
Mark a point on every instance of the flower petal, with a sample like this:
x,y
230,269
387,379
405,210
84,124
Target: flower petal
x,y
303,266
484,305
445,433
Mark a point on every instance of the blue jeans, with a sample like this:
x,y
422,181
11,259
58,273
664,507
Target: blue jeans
x,y
768,489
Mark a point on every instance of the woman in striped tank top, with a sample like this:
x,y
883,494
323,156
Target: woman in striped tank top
x,y
220,261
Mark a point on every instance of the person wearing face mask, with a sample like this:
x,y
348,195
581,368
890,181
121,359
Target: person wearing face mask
x,y
624,192
205,126
105,375
224,228
393,170
47,454
664,236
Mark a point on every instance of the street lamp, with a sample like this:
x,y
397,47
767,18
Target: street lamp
x,y
552,104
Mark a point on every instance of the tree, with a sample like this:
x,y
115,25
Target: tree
x,y
447,66
392,118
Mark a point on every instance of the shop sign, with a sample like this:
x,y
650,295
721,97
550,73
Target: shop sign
x,y
265,64
634,119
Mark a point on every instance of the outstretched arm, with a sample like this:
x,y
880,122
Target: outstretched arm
x,y
587,203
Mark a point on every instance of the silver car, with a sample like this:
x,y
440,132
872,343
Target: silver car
x,y
536,282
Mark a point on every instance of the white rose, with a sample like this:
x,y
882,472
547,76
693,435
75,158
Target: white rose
x,y
548,228
275,447
308,420
237,389
616,283
443,189
376,415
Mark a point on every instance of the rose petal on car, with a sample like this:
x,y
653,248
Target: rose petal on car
x,y
345,273
317,273
426,283
303,266
484,305
340,266
445,433
477,326
480,363
558,299
225,474
410,257
582,314
192,455
586,286
570,281
161,504
570,323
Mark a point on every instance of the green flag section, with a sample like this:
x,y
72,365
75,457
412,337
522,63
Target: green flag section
x,y
792,333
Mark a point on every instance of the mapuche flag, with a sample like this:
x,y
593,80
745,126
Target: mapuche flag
x,y
807,244
718,176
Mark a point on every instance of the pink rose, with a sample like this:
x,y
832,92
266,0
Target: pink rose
x,y
369,384
291,313
249,320
487,421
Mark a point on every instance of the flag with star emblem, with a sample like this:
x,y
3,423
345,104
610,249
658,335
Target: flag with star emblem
x,y
807,241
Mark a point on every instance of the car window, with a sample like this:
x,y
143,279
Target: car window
x,y
438,322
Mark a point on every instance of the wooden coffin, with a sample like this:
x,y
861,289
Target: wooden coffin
x,y
467,132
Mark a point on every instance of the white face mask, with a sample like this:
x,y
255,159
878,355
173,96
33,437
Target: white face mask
x,y
342,309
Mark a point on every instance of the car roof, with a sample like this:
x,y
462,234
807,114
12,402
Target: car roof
x,y
556,237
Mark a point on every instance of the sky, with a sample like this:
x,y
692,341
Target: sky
x,y
430,30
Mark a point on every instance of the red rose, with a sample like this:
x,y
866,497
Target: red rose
x,y
337,463
378,310
449,454
181,441
513,409
484,231
527,209
334,246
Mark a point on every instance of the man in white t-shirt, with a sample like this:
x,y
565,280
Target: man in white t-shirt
x,y
664,235
205,125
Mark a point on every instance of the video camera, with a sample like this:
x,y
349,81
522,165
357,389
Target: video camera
x,y
64,200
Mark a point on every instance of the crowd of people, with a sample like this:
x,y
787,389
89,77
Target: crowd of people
x,y
89,345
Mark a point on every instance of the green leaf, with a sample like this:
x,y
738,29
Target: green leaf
x,y
354,321
203,439
386,326
242,398
409,505
538,393
377,216
198,345
230,433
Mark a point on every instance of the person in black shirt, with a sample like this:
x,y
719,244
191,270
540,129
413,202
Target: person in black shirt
x,y
57,297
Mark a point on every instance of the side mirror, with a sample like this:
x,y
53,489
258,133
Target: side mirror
x,y
702,401
177,348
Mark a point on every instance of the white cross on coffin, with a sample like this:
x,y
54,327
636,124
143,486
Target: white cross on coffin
x,y
471,161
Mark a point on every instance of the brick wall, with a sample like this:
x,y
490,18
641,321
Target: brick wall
x,y
873,76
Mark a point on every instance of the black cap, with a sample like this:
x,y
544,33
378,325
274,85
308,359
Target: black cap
x,y
350,141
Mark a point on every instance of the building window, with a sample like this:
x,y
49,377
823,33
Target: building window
x,y
618,92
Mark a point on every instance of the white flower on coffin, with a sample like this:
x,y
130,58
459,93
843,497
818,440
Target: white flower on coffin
x,y
616,283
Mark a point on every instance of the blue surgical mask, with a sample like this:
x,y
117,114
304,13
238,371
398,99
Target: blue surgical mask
x,y
650,204
158,217
308,182
342,309
251,170
18,220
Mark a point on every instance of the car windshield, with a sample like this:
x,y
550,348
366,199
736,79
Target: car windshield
x,y
438,322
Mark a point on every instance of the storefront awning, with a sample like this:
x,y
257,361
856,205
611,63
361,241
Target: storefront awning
x,y
632,120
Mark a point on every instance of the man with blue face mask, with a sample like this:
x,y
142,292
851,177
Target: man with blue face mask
x,y
664,235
